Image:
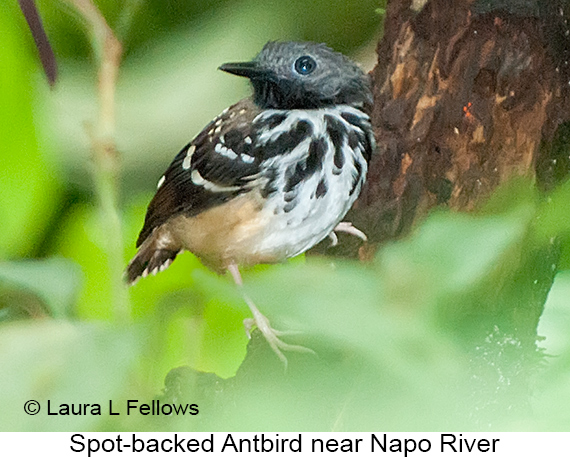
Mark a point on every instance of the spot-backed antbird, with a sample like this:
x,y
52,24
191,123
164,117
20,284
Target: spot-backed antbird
x,y
271,176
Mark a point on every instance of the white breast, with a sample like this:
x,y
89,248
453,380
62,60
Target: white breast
x,y
295,226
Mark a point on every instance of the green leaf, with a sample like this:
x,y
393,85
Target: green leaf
x,y
451,254
56,281
554,216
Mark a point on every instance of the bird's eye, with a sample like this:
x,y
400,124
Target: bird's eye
x,y
305,65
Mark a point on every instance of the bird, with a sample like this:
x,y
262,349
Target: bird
x,y
271,176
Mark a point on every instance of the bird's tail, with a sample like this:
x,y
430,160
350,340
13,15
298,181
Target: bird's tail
x,y
150,259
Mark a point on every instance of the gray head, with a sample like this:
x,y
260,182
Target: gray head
x,y
290,75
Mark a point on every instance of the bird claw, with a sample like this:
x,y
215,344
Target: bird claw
x,y
334,239
272,336
347,227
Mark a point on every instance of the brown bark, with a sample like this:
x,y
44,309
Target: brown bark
x,y
464,97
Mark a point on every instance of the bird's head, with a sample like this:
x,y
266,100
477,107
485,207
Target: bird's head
x,y
302,75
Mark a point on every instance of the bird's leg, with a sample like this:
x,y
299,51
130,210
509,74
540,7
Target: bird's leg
x,y
262,323
347,227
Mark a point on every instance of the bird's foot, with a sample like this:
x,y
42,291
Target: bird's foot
x,y
334,239
272,336
347,227
262,323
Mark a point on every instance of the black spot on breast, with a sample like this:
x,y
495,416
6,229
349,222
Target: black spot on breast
x,y
293,176
299,172
285,142
336,132
289,206
357,177
368,145
338,158
303,129
289,196
317,151
353,139
361,135
321,188
335,129
355,120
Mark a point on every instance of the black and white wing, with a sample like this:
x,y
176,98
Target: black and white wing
x,y
215,167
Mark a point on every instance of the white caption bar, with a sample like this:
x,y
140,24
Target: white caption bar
x,y
376,443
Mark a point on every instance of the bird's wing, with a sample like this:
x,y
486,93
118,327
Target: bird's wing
x,y
215,167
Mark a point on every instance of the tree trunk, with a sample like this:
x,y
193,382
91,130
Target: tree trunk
x,y
465,94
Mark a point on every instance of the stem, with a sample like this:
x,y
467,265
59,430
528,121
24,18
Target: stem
x,y
106,186
45,50
105,156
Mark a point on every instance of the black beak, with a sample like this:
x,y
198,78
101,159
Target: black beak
x,y
250,70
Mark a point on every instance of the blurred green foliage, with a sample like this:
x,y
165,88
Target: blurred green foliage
x,y
393,338
29,182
